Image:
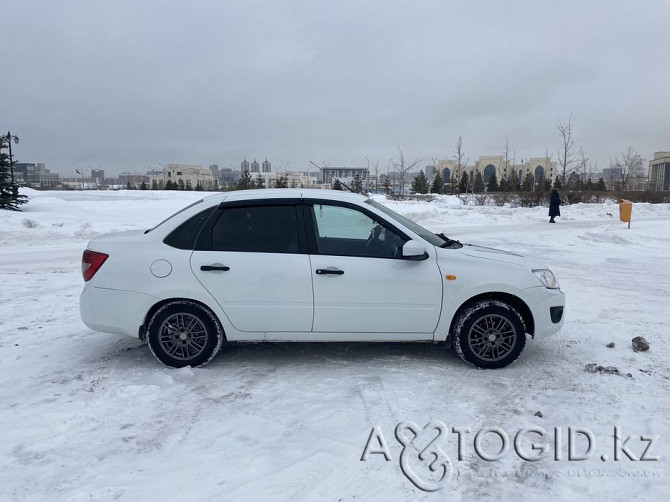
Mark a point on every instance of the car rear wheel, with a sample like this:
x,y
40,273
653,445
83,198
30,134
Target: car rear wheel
x,y
489,334
184,333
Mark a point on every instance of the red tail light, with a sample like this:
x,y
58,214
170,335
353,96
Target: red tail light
x,y
91,261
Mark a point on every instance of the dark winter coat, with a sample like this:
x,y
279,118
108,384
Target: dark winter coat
x,y
554,203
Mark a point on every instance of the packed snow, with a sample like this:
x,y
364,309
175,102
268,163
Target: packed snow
x,y
93,416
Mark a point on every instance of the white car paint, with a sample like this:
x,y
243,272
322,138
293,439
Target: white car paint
x,y
262,292
282,296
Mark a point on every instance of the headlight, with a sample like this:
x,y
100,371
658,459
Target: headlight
x,y
547,278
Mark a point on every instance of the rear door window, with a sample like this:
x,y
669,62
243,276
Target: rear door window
x,y
257,229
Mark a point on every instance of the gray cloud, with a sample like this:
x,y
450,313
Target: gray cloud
x,y
128,85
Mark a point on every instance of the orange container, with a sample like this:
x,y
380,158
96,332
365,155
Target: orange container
x,y
625,210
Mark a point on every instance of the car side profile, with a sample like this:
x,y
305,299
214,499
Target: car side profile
x,y
311,265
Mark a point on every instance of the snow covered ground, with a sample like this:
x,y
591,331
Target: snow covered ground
x,y
92,416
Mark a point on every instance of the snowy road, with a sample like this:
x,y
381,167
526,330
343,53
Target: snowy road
x,y
90,416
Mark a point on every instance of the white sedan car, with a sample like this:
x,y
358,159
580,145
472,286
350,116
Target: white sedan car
x,y
311,265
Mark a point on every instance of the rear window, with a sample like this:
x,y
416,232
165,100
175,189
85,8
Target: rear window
x,y
175,214
185,235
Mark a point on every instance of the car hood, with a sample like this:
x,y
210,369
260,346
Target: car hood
x,y
500,255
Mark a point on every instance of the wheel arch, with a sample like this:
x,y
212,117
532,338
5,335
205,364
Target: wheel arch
x,y
514,301
158,305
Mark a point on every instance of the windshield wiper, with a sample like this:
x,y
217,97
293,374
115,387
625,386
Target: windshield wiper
x,y
449,243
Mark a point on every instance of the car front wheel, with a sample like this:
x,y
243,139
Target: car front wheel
x,y
489,334
184,333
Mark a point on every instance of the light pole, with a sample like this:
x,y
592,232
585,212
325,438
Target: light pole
x,y
9,139
163,173
81,171
388,173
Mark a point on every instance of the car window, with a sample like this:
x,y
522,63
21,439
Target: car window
x,y
345,231
343,222
173,215
257,229
184,236
417,229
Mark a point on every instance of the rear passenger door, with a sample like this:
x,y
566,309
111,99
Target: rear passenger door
x,y
252,258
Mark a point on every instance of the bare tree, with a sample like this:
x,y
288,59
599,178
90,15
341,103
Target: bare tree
x,y
631,166
403,168
375,165
566,155
504,175
513,176
547,181
459,160
375,169
586,166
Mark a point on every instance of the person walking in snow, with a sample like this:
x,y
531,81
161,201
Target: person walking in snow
x,y
554,203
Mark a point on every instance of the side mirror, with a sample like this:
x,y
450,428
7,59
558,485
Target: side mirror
x,y
412,250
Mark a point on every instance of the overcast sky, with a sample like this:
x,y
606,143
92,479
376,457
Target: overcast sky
x,y
132,85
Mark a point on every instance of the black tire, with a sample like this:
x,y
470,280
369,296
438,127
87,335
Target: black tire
x,y
184,333
489,334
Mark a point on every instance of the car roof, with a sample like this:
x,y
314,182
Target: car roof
x,y
287,193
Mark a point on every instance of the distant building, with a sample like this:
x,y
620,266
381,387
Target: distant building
x,y
255,167
344,174
184,175
35,175
295,179
215,171
540,168
228,177
98,176
612,177
594,177
612,173
659,171
430,172
135,179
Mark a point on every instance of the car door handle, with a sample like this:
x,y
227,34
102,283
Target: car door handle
x,y
332,271
210,268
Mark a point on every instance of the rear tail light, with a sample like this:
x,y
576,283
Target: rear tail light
x,y
91,261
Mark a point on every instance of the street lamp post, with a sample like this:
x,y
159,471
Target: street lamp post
x,y
81,171
163,171
9,138
388,173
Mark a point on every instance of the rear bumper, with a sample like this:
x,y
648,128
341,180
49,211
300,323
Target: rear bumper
x,y
548,309
113,310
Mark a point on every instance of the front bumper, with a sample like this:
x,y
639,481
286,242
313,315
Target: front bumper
x,y
548,309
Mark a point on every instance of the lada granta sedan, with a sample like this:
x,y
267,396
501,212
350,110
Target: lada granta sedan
x,y
311,265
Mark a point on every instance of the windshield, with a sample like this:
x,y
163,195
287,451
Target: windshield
x,y
429,236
